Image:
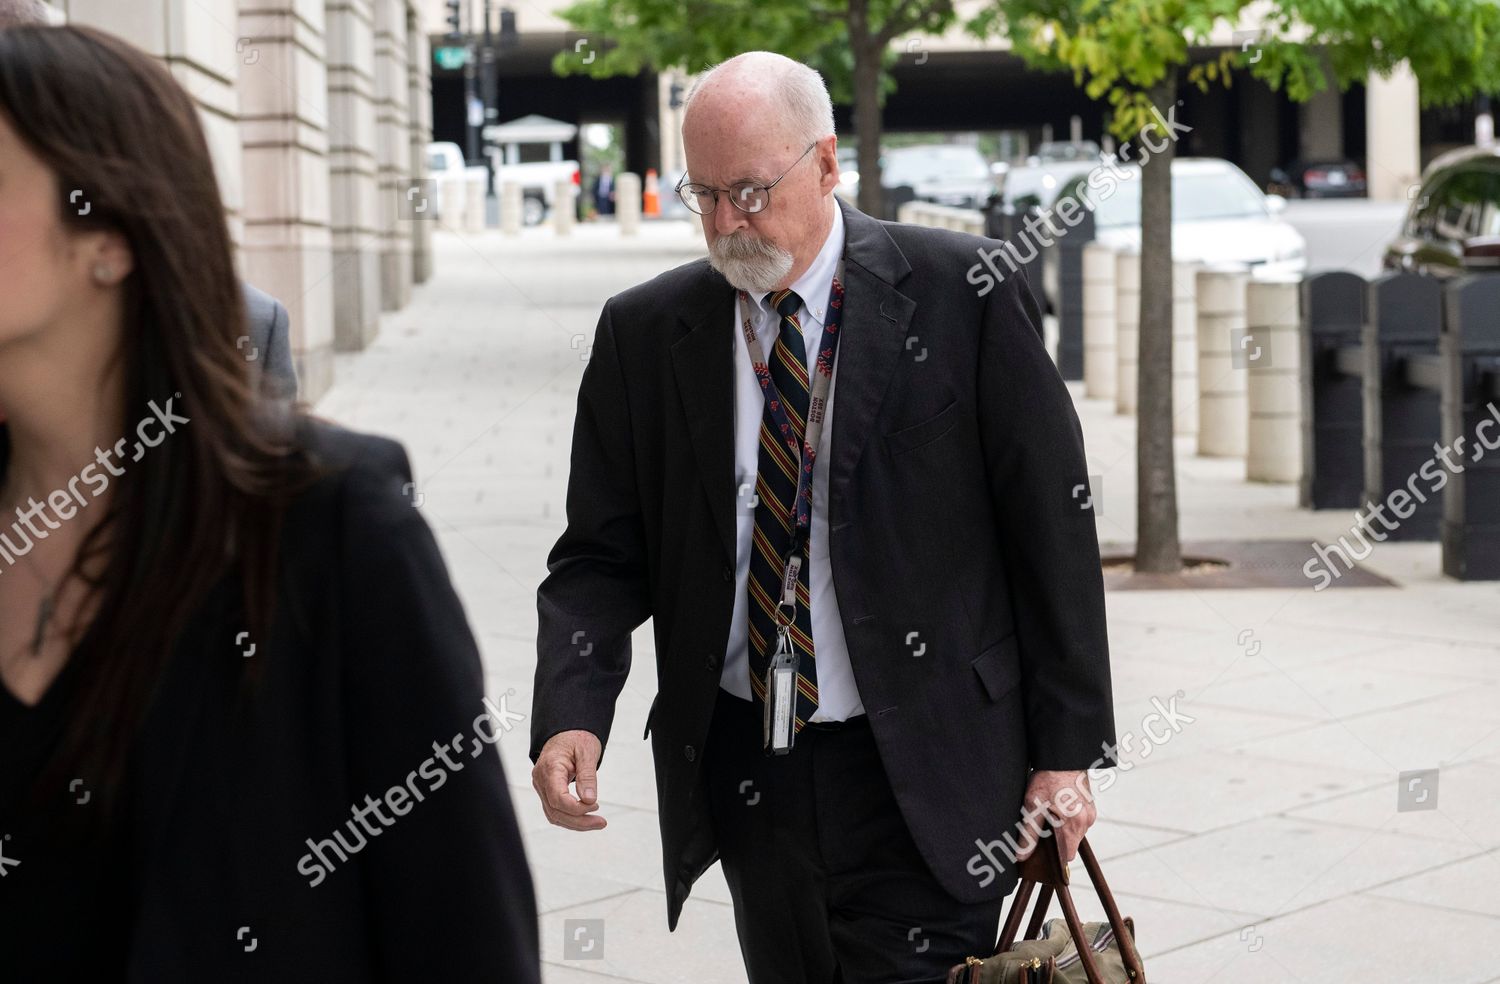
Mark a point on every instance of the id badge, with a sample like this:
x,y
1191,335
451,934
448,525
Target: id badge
x,y
778,726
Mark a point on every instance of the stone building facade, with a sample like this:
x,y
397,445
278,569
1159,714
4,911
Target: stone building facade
x,y
318,113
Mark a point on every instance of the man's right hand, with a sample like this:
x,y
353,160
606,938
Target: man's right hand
x,y
569,756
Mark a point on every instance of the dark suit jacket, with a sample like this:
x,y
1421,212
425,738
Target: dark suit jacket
x,y
369,662
270,341
956,452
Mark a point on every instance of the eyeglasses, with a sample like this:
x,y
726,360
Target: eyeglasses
x,y
746,196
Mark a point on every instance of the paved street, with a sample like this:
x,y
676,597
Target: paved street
x,y
1260,840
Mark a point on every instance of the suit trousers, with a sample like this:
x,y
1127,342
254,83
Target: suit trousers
x,y
828,886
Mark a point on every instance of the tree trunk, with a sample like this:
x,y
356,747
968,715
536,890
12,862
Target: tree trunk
x,y
1157,547
867,123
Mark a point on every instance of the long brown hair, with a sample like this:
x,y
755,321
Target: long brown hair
x,y
109,120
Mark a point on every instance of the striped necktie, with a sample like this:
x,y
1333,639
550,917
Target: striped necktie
x,y
776,489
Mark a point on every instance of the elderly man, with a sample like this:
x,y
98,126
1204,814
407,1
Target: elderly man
x,y
845,486
267,346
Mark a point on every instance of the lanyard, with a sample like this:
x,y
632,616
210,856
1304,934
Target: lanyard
x,y
817,405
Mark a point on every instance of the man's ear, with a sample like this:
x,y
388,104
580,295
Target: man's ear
x,y
828,164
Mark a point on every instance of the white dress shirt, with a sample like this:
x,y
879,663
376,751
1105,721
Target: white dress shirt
x,y
838,698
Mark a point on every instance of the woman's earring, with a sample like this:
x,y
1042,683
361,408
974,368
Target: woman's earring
x,y
103,275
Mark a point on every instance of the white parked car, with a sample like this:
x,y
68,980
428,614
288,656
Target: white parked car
x,y
538,181
1219,216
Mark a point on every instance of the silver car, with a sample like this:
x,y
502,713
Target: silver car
x,y
947,174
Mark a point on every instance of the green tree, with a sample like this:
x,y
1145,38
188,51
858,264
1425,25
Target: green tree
x,y
848,41
1136,53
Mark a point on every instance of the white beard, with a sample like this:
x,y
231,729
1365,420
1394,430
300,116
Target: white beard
x,y
753,265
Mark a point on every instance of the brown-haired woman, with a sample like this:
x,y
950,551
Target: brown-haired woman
x,y
242,730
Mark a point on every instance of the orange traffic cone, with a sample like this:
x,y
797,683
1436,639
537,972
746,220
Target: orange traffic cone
x,y
651,196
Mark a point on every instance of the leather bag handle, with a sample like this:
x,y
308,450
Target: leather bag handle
x,y
1044,869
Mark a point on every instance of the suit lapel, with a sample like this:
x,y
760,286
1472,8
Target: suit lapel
x,y
704,364
876,319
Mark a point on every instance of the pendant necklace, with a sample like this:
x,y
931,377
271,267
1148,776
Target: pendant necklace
x,y
45,610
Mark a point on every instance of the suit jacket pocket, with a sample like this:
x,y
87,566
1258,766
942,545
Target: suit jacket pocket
x,y
926,432
999,667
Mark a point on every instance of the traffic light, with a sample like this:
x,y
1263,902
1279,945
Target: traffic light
x,y
455,26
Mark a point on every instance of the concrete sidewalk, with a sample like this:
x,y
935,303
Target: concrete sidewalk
x,y
1261,839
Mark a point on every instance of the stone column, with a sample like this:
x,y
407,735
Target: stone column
x,y
284,112
1392,152
197,40
352,169
1320,126
393,153
419,124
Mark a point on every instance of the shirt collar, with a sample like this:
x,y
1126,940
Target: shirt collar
x,y
816,282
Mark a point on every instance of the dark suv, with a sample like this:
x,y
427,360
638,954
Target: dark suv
x,y
1453,225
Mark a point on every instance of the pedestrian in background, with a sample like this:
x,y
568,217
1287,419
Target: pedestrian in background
x,y
604,191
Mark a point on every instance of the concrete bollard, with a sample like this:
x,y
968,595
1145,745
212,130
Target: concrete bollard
x,y
510,208
1185,349
628,203
1470,349
455,208
1273,391
1099,362
563,208
1402,420
1068,257
1225,355
1332,310
474,196
1127,328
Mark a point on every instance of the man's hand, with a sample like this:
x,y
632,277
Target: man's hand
x,y
1065,797
569,756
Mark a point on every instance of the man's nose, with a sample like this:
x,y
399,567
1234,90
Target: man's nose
x,y
727,218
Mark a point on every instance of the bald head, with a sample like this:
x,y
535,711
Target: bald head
x,y
765,92
22,13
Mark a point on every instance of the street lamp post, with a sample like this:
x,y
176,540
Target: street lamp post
x,y
487,91
490,78
473,112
